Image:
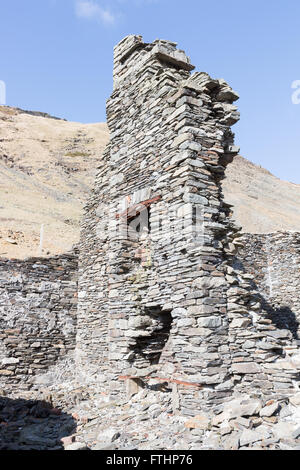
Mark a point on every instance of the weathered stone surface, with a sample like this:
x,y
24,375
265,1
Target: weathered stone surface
x,y
269,410
77,446
296,433
108,435
246,368
6,372
198,422
273,259
283,430
10,361
295,399
232,442
251,436
242,406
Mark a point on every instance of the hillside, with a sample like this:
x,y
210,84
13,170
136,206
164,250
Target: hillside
x,y
47,168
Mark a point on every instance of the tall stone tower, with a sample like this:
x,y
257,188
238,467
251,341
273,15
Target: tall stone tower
x,y
157,293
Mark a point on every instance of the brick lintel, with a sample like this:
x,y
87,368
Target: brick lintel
x,y
175,381
131,212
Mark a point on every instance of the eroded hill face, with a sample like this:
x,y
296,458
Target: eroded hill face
x,y
262,203
47,167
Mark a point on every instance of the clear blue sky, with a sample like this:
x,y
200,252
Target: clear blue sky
x,y
56,56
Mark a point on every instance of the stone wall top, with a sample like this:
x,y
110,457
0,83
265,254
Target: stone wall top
x,y
132,55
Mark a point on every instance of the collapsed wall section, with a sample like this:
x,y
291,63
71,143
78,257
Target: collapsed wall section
x,y
38,307
273,260
152,286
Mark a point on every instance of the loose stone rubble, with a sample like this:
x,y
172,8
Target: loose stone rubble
x,y
186,329
32,425
147,422
273,260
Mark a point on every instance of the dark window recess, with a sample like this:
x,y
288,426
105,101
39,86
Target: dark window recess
x,y
194,216
139,224
148,349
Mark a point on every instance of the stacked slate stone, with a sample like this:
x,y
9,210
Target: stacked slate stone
x,y
38,309
272,261
160,300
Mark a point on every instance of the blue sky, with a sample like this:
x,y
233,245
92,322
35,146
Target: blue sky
x,y
56,56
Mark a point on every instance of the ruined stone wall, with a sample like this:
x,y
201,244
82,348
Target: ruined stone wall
x,y
154,304
273,260
38,303
160,297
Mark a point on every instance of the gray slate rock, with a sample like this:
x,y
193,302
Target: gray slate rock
x,y
250,436
269,410
77,446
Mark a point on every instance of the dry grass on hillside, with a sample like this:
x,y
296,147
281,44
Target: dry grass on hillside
x,y
47,168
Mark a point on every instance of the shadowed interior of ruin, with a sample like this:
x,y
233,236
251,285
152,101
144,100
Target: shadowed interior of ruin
x,y
281,316
139,224
32,425
149,348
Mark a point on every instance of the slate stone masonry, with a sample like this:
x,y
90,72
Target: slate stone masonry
x,y
38,303
171,295
160,299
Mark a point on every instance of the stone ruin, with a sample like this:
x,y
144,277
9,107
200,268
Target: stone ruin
x,y
162,295
170,295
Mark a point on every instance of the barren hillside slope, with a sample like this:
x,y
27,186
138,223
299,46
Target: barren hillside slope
x,y
47,168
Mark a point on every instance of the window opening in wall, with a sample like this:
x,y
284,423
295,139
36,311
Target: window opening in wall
x,y
148,348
